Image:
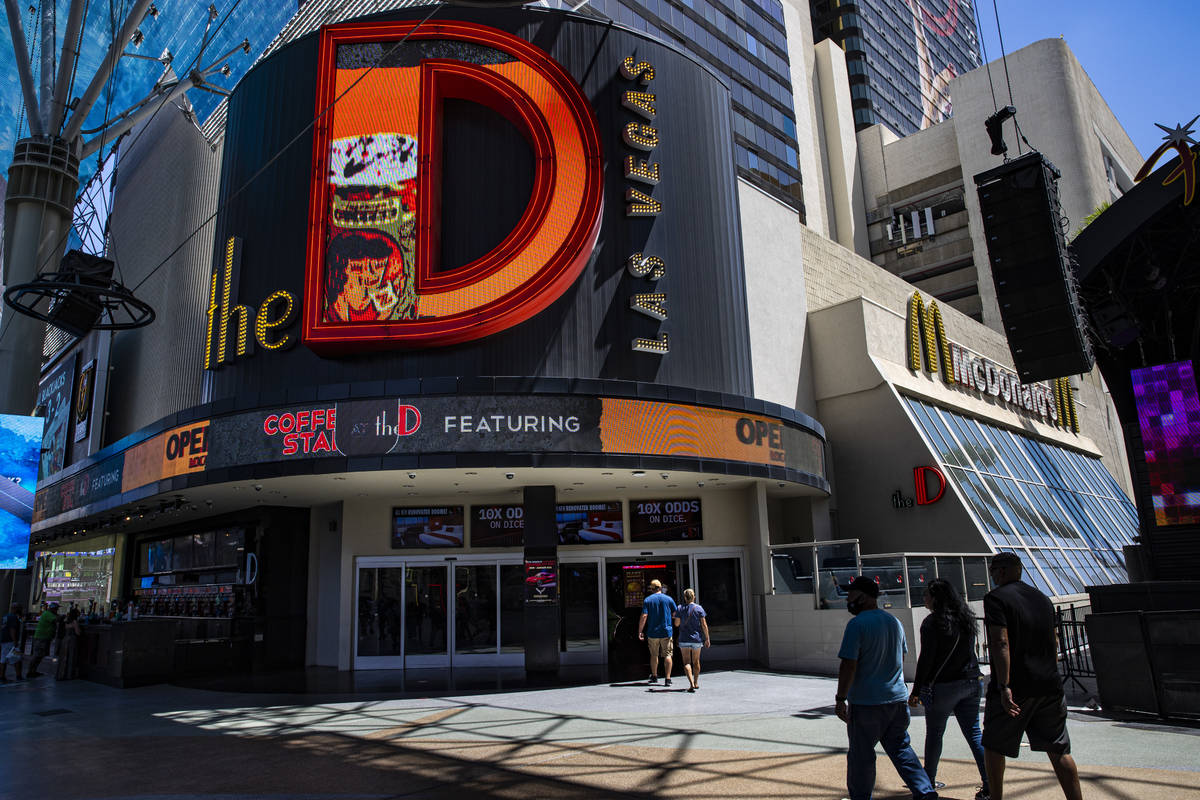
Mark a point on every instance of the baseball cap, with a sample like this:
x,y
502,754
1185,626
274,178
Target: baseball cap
x,y
865,585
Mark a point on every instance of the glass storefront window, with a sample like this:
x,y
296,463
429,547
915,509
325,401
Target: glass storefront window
x,y
888,572
950,569
792,568
837,565
425,610
512,608
76,578
579,586
475,609
380,592
920,572
975,571
720,593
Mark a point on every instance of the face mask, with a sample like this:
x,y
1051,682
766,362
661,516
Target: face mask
x,y
854,606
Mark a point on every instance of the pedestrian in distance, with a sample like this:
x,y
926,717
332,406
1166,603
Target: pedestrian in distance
x,y
690,619
43,635
10,642
872,696
947,679
68,648
1025,695
655,628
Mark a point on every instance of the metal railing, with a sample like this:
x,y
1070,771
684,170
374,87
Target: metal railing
x,y
1074,652
823,568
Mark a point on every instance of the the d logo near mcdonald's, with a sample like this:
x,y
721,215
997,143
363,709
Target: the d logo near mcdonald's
x,y
373,276
921,478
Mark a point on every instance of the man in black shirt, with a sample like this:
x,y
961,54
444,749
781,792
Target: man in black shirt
x,y
1025,695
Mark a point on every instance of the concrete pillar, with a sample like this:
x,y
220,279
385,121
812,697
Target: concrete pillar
x,y
42,183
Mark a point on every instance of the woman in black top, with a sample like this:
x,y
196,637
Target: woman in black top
x,y
947,680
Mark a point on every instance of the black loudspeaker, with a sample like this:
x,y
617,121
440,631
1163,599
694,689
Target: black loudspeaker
x,y
1032,269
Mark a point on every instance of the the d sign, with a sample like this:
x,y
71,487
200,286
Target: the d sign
x,y
373,277
920,478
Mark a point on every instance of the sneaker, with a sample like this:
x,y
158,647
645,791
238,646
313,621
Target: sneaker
x,y
982,795
939,785
653,679
667,682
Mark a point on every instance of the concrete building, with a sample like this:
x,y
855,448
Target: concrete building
x,y
922,209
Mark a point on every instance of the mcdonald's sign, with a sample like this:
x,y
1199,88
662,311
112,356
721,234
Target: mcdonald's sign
x,y
931,351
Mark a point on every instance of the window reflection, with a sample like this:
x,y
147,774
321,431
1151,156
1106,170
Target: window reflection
x,y
1061,504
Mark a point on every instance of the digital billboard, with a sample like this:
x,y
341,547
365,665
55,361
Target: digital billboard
x,y
54,395
590,523
427,526
450,424
20,446
498,526
578,523
1168,408
664,520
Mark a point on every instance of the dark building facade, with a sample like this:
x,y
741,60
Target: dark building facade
x,y
901,55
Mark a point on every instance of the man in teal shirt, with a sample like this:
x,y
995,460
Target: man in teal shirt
x,y
871,678
655,627
43,635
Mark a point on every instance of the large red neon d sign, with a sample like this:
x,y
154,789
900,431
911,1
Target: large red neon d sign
x,y
922,487
372,278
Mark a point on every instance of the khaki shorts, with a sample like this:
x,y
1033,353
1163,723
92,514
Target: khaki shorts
x,y
660,648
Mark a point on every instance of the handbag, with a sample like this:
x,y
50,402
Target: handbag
x,y
926,693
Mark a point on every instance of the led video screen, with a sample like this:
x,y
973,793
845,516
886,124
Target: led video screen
x,y
20,449
1168,409
428,526
664,520
578,523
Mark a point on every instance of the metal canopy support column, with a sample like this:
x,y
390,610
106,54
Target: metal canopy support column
x,y
541,619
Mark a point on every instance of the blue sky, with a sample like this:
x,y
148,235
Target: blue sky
x,y
1141,55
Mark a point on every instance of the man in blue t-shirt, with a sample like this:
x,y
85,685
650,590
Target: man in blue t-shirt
x,y
655,628
871,678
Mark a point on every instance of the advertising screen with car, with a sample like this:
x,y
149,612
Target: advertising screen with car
x,y
427,526
541,580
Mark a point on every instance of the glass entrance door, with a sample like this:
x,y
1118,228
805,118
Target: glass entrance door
x,y
414,614
627,583
720,590
426,616
580,620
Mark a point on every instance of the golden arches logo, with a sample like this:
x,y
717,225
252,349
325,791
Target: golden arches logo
x,y
928,347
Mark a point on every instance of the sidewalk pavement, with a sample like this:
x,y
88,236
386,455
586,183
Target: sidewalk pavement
x,y
744,734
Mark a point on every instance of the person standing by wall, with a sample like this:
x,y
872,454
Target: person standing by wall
x,y
10,642
655,627
1025,695
43,635
693,634
68,649
947,679
871,695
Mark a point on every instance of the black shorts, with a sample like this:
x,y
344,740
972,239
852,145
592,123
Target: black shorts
x,y
1043,719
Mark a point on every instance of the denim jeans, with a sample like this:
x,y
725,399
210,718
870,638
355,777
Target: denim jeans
x,y
960,698
887,725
